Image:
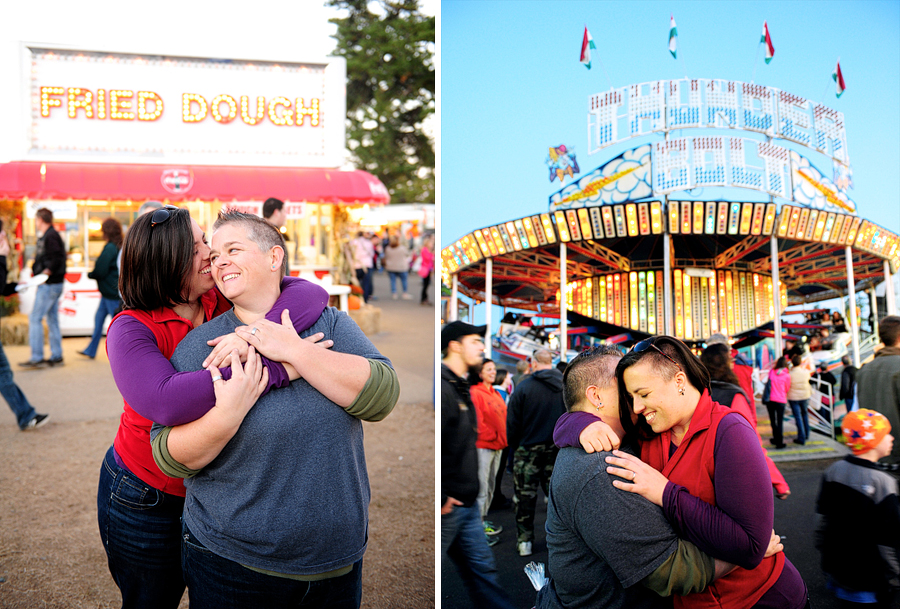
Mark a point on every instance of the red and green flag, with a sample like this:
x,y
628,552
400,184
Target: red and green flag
x,y
673,36
767,40
587,44
839,79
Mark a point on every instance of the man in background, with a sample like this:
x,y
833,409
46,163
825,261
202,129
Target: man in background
x,y
533,409
462,533
49,260
274,212
363,258
878,382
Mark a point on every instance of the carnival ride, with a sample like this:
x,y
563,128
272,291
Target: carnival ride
x,y
627,244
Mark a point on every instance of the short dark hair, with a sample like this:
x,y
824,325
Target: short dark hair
x,y
889,330
595,366
781,362
260,232
45,214
271,206
112,231
157,261
696,373
716,358
796,360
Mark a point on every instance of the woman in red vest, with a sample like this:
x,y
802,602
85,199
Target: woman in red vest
x,y
490,412
703,464
167,290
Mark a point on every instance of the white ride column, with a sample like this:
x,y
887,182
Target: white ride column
x,y
667,283
489,301
563,308
453,313
851,291
776,296
890,299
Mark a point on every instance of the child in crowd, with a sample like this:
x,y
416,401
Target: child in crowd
x,y
859,531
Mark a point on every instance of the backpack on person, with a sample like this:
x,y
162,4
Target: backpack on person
x,y
767,391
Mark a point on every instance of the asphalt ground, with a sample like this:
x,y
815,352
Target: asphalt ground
x,y
795,518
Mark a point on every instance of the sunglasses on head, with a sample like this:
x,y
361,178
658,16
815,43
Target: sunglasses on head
x,y
161,215
649,344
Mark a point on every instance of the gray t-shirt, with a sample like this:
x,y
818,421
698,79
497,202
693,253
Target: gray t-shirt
x,y
289,492
602,540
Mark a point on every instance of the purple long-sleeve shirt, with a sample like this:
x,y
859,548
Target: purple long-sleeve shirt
x,y
738,527
152,387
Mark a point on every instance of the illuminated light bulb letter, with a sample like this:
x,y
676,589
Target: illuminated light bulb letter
x,y
217,101
187,114
312,111
48,102
85,102
260,110
101,104
287,115
143,98
120,99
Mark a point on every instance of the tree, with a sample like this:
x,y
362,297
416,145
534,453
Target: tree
x,y
390,93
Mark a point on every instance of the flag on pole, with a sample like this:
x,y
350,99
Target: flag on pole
x,y
770,50
586,45
839,79
673,34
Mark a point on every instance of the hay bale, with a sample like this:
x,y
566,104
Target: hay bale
x,y
368,318
14,329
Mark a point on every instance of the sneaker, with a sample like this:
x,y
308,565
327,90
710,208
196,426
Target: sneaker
x,y
492,541
33,363
84,354
39,420
524,548
56,361
491,529
406,296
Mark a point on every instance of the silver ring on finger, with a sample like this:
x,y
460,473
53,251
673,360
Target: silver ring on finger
x,y
633,476
218,377
254,331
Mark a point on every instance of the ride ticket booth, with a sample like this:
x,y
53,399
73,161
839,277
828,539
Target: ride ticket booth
x,y
99,133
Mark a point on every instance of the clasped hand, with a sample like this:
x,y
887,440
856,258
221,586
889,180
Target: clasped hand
x,y
642,479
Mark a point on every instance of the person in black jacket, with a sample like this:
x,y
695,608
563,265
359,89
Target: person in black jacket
x,y
106,273
462,533
26,416
533,409
49,259
848,384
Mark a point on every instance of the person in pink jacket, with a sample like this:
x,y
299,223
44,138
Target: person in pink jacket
x,y
490,413
779,385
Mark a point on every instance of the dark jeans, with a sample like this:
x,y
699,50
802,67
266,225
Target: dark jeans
x,y
463,542
218,583
426,281
364,276
17,401
801,417
108,307
141,531
776,418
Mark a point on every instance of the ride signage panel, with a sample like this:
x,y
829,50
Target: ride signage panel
x,y
151,107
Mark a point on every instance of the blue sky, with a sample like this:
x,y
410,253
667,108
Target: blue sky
x,y
512,86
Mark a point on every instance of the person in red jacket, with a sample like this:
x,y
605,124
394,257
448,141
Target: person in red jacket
x,y
490,412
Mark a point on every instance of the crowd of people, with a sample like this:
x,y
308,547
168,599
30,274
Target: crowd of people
x,y
370,253
656,478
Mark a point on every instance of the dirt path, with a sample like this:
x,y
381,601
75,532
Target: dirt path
x,y
50,550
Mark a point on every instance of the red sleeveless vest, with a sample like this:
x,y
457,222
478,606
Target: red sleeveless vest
x,y
132,441
693,467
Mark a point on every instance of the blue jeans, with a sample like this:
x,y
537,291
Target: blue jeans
x,y
394,275
108,306
463,541
801,417
218,583
46,304
17,401
140,527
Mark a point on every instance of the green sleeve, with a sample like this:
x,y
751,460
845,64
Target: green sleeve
x,y
686,571
164,460
380,394
104,263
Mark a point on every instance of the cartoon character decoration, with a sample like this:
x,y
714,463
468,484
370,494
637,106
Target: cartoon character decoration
x,y
562,163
